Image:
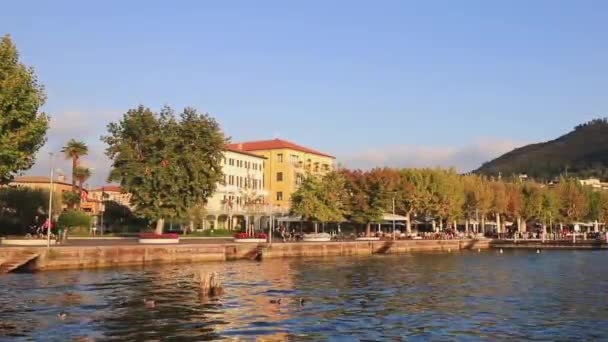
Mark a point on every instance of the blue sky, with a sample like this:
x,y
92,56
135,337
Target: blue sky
x,y
400,83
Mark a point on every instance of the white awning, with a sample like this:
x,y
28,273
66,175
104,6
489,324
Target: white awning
x,y
290,219
393,217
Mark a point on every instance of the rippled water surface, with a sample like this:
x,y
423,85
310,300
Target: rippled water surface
x,y
452,296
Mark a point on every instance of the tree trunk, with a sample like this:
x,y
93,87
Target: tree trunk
x,y
191,226
440,225
518,224
160,224
466,226
498,230
408,223
74,165
483,224
368,229
79,204
316,228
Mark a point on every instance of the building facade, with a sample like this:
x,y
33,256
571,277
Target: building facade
x,y
111,193
287,164
60,186
243,182
595,183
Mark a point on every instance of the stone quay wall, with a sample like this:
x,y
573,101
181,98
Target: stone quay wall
x,y
83,257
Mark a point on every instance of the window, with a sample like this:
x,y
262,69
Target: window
x,y
279,176
231,162
279,195
280,157
299,179
294,158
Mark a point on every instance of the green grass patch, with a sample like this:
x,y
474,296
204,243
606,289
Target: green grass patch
x,y
211,233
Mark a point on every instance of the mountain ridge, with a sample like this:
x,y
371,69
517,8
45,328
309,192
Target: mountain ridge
x,y
581,152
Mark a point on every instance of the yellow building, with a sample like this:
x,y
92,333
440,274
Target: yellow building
x,y
286,166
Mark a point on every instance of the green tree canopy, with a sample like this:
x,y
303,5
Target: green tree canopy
x,y
168,164
321,199
22,127
82,174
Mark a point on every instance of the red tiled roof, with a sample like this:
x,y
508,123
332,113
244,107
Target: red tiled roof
x,y
110,188
274,145
235,150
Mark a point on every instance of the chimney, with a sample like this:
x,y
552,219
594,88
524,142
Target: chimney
x,y
240,146
61,178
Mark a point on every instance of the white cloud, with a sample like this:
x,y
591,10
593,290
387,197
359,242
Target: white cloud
x,y
463,158
87,126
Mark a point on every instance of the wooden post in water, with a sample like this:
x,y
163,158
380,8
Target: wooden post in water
x,y
210,284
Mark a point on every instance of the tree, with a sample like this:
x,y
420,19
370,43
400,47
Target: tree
x,y
22,128
334,197
22,207
533,202
73,150
307,201
168,164
447,196
499,202
365,204
514,202
71,199
574,204
321,199
550,208
478,198
413,194
196,214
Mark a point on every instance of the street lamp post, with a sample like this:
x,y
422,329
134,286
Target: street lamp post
x,y
50,220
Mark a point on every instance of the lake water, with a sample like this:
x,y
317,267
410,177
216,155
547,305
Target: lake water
x,y
559,295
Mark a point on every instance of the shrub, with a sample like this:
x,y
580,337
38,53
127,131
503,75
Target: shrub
x,y
21,208
74,218
71,198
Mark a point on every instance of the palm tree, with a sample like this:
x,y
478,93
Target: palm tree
x,y
82,174
75,149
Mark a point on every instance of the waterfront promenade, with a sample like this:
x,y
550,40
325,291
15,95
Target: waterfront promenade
x,y
100,253
112,253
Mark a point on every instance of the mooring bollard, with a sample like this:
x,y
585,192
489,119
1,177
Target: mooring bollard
x,y
210,284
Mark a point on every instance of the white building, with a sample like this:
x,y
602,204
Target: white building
x,y
240,199
594,183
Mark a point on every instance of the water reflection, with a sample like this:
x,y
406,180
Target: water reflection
x,y
516,295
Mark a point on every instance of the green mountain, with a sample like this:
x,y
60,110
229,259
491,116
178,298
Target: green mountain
x,y
582,152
